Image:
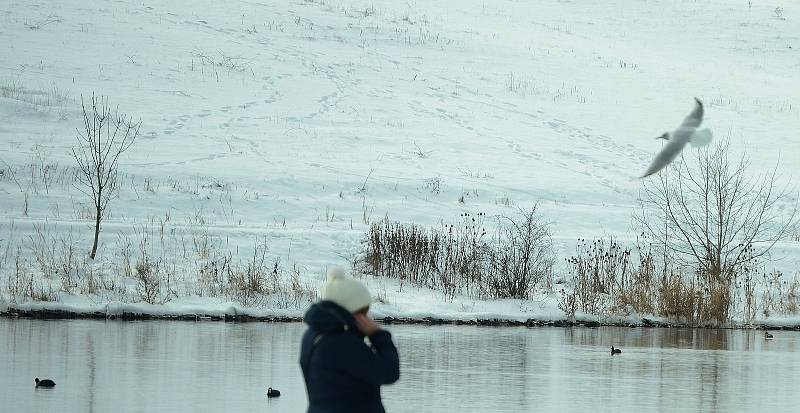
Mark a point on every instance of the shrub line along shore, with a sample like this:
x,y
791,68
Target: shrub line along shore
x,y
45,314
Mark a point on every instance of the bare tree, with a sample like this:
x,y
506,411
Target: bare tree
x,y
104,138
709,213
523,256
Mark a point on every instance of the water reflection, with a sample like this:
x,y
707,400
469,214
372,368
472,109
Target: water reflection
x,y
176,366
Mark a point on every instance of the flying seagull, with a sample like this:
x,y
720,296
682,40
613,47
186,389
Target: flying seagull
x,y
677,139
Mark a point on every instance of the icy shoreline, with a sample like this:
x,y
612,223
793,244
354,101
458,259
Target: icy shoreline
x,y
143,312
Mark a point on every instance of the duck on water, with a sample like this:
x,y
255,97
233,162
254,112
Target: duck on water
x,y
45,383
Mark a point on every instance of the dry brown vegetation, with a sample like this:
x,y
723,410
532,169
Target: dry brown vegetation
x,y
150,265
465,259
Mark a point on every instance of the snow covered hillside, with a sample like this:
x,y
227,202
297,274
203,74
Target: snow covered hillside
x,y
294,124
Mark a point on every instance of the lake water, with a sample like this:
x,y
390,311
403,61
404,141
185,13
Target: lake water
x,y
169,366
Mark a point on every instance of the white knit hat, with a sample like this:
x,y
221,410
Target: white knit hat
x,y
345,291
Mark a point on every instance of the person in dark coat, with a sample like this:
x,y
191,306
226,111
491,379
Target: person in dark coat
x,y
343,374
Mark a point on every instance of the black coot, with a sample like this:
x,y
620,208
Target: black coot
x,y
45,383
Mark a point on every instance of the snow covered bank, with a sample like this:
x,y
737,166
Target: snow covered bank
x,y
293,125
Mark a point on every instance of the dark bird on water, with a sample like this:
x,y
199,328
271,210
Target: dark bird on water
x,y
273,393
615,351
45,383
767,335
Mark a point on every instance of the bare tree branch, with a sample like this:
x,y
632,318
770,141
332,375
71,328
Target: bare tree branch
x,y
709,213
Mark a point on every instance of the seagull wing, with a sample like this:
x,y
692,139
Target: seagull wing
x,y
700,137
696,117
668,153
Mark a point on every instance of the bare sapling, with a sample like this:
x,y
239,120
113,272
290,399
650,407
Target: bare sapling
x,y
103,139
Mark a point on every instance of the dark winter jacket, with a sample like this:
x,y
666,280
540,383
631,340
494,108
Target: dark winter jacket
x,y
342,373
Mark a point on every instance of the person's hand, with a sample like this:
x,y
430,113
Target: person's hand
x,y
366,325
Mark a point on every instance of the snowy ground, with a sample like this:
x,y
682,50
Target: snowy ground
x,y
300,122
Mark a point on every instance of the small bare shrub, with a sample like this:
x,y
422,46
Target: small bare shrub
x,y
419,152
147,272
302,293
291,292
636,289
54,256
16,283
43,249
125,252
91,284
462,259
568,303
695,300
366,211
148,281
67,266
779,295
522,257
204,243
716,304
447,259
42,290
792,297
594,271
213,275
607,277
24,286
41,170
248,284
679,298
